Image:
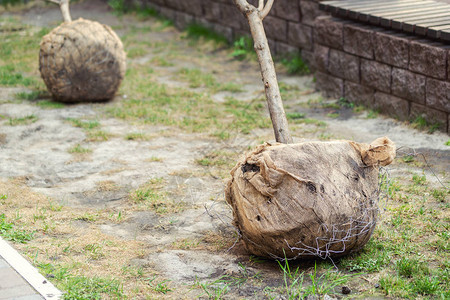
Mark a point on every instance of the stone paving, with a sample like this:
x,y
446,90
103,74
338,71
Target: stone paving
x,y
14,286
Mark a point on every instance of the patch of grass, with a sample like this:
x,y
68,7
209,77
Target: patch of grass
x,y
419,180
78,149
11,76
30,96
23,120
9,231
295,116
152,196
197,31
118,6
421,123
372,114
84,124
242,48
81,287
197,78
372,258
98,136
162,62
440,195
137,51
333,115
161,286
447,143
137,136
48,104
296,65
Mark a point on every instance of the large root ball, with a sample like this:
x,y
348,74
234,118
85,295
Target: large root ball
x,y
82,61
312,199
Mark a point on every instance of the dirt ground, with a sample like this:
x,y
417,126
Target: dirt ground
x,y
35,158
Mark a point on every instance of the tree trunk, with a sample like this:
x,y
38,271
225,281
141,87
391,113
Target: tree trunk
x,y
255,17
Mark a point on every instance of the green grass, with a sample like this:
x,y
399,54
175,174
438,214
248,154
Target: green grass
x,y
84,124
137,136
296,65
421,123
48,104
30,96
23,120
243,48
198,31
197,78
78,149
9,231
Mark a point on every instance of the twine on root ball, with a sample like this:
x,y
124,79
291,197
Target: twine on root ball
x,y
82,61
306,200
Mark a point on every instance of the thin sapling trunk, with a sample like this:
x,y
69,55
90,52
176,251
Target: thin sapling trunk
x,y
255,16
64,6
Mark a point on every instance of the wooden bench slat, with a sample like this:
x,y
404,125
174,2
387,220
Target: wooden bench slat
x,y
365,16
355,11
399,23
385,20
421,28
435,31
422,17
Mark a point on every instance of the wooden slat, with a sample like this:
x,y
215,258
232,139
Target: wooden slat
x,y
435,31
355,11
410,25
421,28
445,35
365,15
422,17
385,20
399,23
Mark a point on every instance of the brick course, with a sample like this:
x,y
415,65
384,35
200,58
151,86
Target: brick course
x,y
391,49
376,75
408,85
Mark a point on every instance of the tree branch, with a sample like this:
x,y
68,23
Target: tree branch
x,y
64,6
265,11
261,5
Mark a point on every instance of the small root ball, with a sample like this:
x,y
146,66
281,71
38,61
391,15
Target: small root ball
x,y
82,61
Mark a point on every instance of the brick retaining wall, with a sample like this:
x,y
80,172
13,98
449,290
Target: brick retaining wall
x,y
398,74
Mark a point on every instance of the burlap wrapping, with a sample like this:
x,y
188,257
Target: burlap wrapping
x,y
308,199
82,61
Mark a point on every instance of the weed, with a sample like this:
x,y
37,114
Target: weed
x,y
447,143
81,287
10,233
296,65
197,31
23,120
372,258
295,116
84,124
440,195
78,149
372,114
137,136
293,281
118,6
426,285
47,104
154,159
98,136
394,286
344,102
422,124
9,76
333,115
408,267
160,287
419,180
408,158
242,48
30,96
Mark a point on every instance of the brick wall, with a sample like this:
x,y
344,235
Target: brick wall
x,y
400,75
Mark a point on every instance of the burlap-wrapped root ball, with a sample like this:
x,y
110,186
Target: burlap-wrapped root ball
x,y
82,61
312,199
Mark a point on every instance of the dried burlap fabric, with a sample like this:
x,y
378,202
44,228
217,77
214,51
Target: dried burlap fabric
x,y
308,199
82,61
